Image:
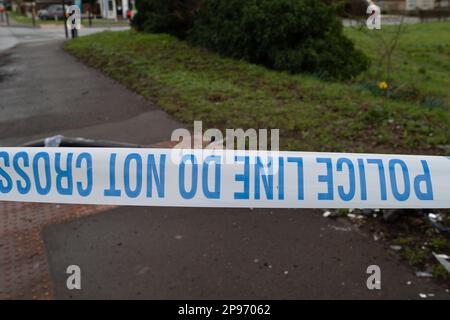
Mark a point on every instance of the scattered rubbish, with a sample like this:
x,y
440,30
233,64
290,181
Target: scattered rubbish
x,y
440,227
378,236
409,283
286,273
326,214
53,142
178,237
430,294
347,229
435,217
423,274
423,295
351,216
442,258
256,260
435,220
396,248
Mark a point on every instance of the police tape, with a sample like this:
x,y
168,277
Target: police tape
x,y
223,178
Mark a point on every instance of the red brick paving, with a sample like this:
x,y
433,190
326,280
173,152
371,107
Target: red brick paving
x,y
24,272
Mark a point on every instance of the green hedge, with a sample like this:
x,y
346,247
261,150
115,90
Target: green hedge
x,y
290,35
165,16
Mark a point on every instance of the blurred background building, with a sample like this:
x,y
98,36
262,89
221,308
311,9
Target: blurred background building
x,y
107,9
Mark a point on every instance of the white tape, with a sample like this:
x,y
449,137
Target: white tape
x,y
219,178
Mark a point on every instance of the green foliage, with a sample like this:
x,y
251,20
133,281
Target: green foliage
x,y
439,272
291,35
414,256
420,62
403,241
438,243
375,115
165,16
435,102
192,83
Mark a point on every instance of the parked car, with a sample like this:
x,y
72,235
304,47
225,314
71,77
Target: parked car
x,y
53,12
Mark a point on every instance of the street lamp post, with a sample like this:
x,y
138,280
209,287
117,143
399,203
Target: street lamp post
x,y
91,6
65,18
33,13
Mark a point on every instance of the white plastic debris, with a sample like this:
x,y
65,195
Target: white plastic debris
x,y
378,236
423,295
351,216
343,229
53,142
396,248
442,260
435,217
409,283
326,214
423,274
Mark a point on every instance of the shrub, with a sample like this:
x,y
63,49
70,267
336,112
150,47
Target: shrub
x,y
290,35
165,16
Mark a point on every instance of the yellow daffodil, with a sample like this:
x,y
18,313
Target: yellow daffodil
x,y
383,85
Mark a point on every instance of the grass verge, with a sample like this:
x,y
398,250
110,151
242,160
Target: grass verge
x,y
312,115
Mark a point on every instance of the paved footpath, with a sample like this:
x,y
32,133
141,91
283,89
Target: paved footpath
x,y
182,253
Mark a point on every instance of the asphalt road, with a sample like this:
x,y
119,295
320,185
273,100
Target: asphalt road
x,y
181,253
